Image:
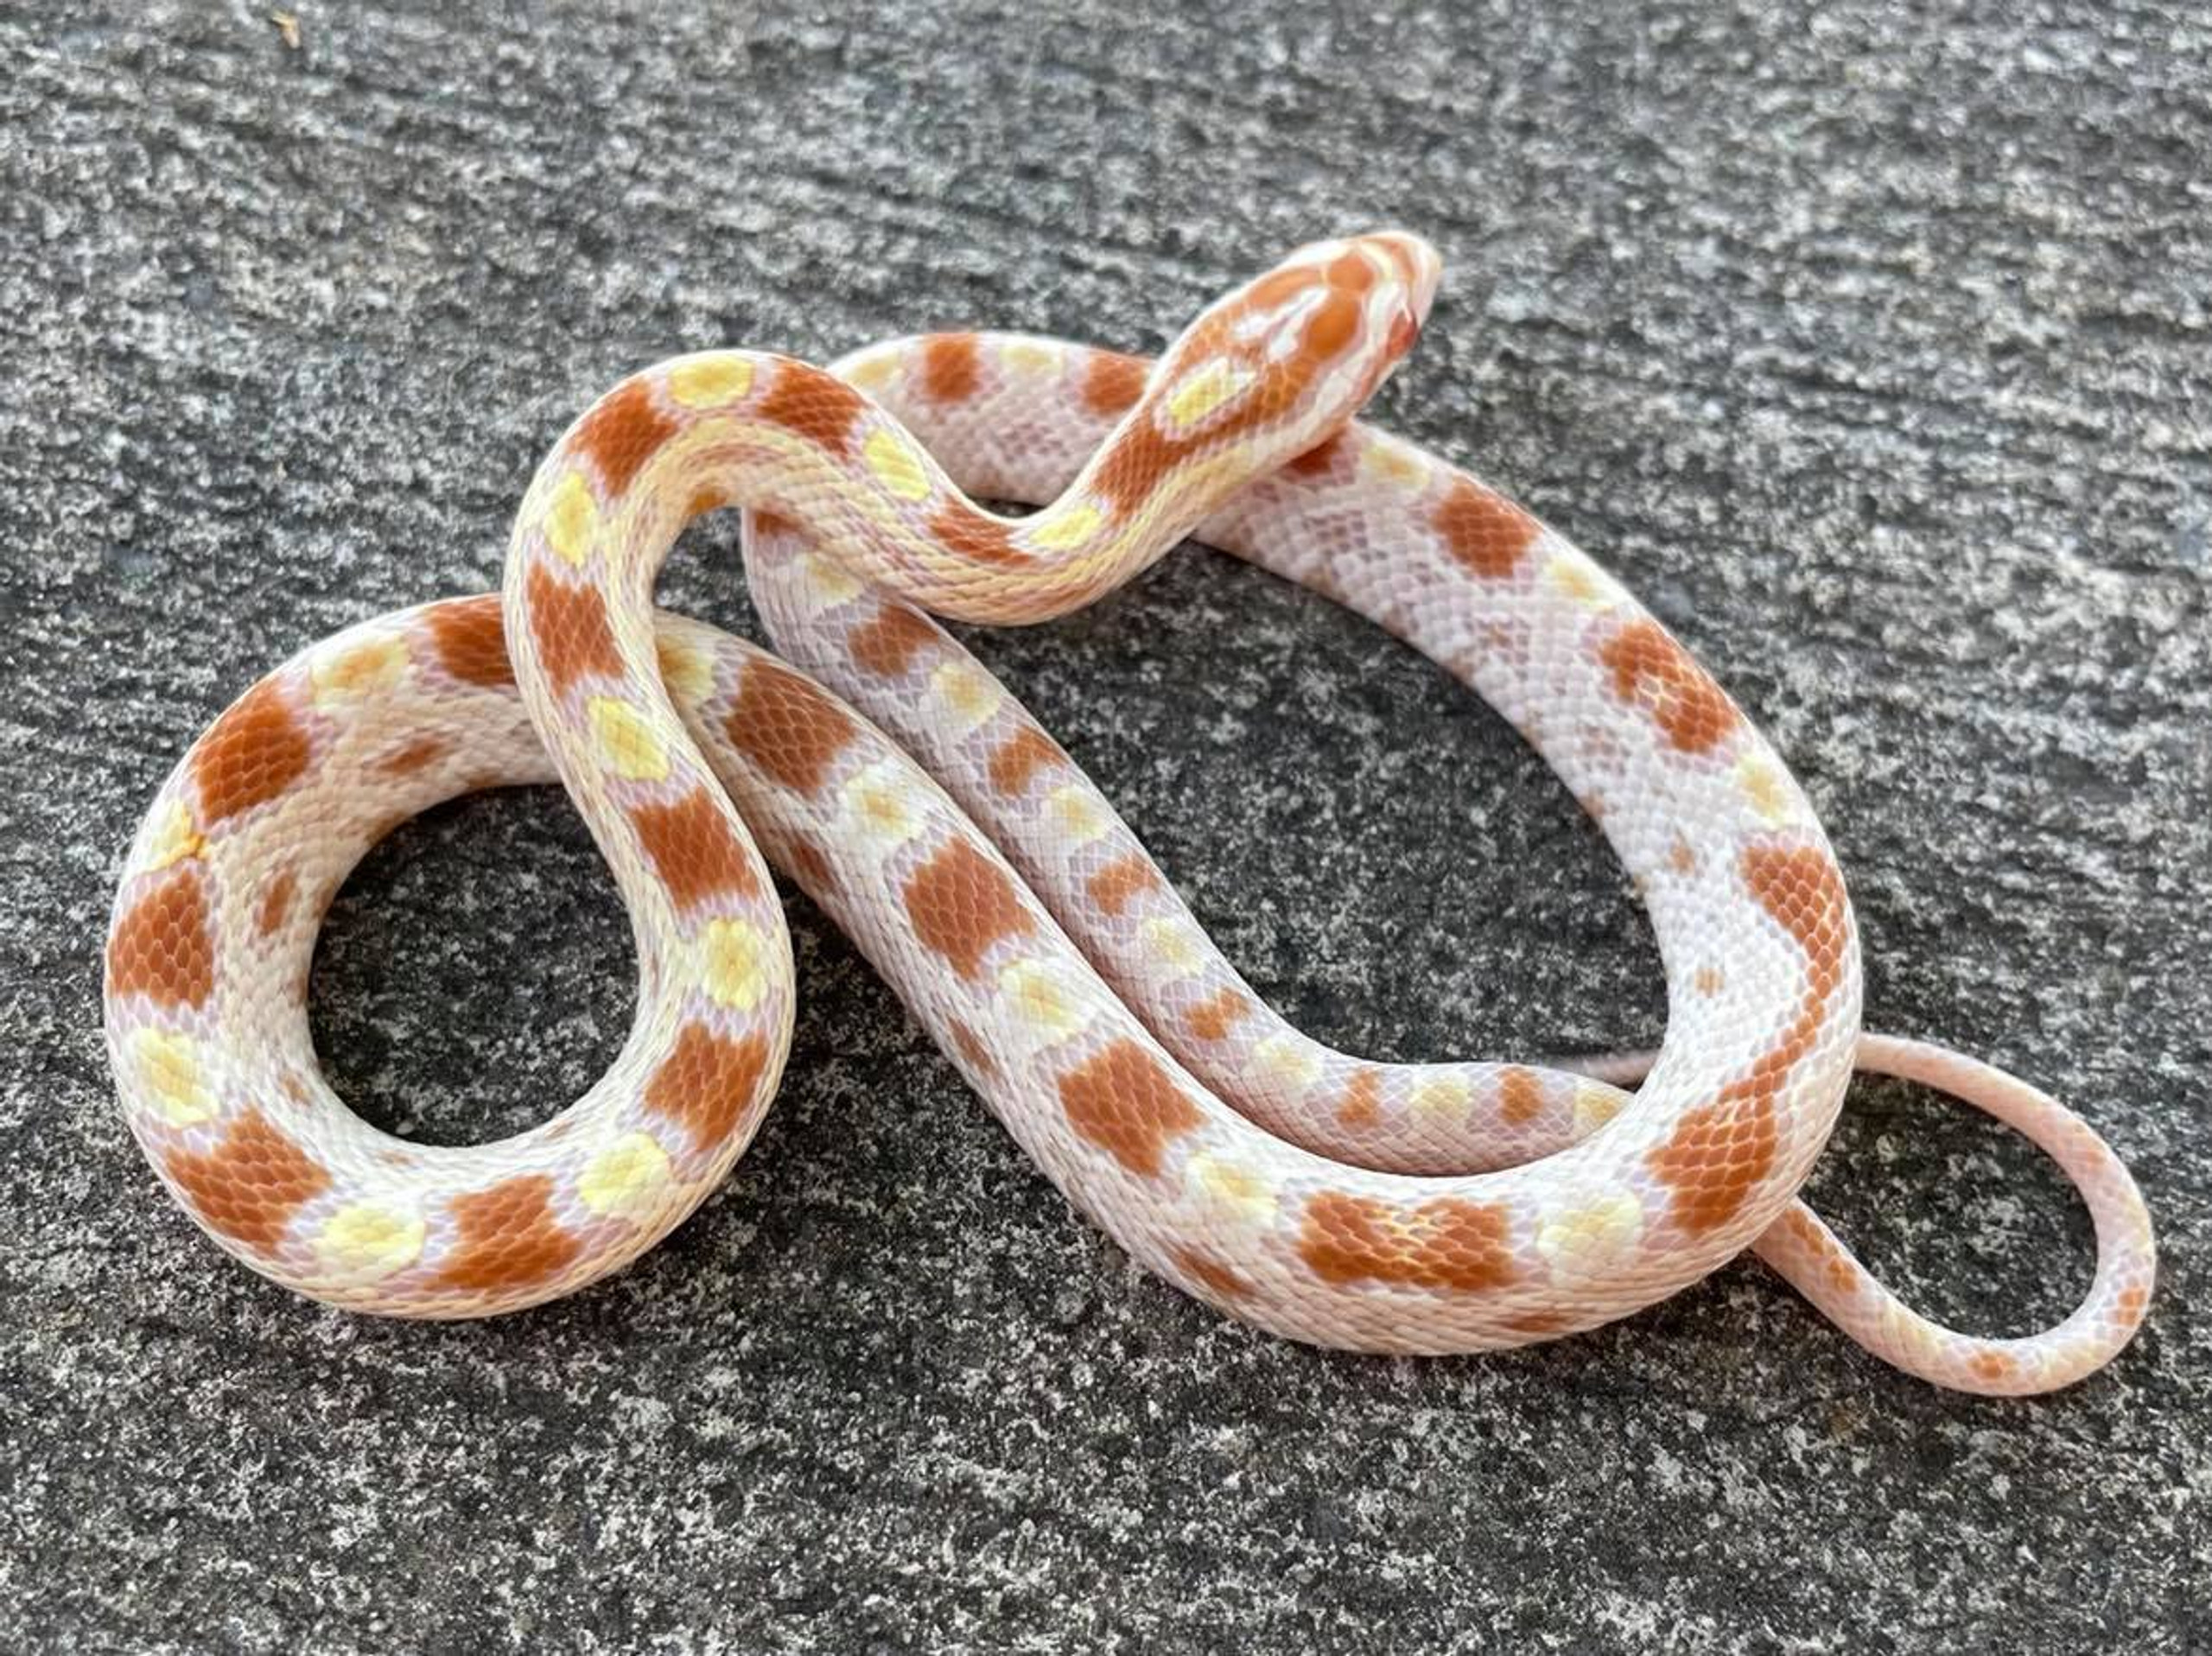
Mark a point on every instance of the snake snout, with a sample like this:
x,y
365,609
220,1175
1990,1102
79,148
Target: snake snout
x,y
1411,271
1420,269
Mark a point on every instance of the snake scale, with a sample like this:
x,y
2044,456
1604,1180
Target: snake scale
x,y
1392,1208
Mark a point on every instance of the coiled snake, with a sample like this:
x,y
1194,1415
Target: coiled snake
x,y
1421,1208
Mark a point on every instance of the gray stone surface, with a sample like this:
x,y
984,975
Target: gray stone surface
x,y
1869,340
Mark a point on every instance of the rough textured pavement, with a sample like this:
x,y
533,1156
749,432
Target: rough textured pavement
x,y
1870,342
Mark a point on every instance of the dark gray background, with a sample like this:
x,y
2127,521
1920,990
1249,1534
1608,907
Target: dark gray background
x,y
1869,342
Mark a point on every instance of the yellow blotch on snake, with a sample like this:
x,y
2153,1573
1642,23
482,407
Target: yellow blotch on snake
x,y
969,692
571,519
1041,1000
1595,1104
1030,357
1581,581
1587,1239
626,740
628,1177
828,583
1764,787
1233,1190
736,955
1206,389
704,382
169,1064
1081,819
879,803
370,668
367,1240
177,839
689,674
1445,1094
1066,529
1172,944
1289,1060
1386,462
895,464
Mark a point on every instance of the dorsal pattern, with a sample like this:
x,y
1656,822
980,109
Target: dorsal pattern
x,y
1403,1207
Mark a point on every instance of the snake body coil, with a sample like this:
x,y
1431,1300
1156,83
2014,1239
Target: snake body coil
x,y
1425,1207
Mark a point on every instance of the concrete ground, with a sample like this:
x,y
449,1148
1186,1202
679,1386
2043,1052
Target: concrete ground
x,y
1869,342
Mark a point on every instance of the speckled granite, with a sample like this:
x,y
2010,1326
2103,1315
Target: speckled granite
x,y
1869,342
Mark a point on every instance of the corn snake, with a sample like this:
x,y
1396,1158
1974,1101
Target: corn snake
x,y
1399,1208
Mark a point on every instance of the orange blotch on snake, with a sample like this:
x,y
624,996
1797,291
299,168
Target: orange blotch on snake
x,y
1212,1018
975,534
705,1084
1485,534
1277,287
1350,272
787,726
1807,1231
1719,1153
1652,671
1113,382
416,755
1333,324
1122,881
1130,471
809,403
471,640
1446,1244
275,901
569,625
887,645
162,948
1021,757
1820,1248
971,1048
960,903
620,433
1319,457
1801,889
1203,1268
507,1236
249,756
951,367
1539,1323
1990,1366
1123,1100
810,867
694,848
1520,1096
249,1186
1362,1104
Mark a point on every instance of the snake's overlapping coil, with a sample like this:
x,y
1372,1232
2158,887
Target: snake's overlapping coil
x,y
1423,1208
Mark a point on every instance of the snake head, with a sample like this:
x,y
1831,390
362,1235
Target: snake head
x,y
1282,363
